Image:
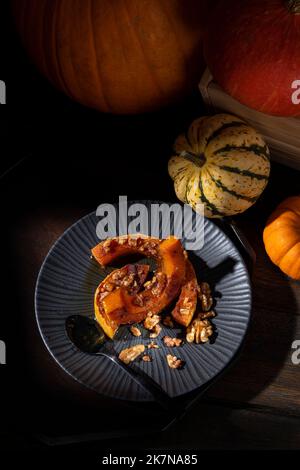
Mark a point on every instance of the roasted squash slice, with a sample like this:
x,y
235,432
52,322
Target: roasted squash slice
x,y
111,249
122,307
185,307
130,277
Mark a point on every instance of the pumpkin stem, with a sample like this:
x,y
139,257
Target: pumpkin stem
x,y
198,160
293,6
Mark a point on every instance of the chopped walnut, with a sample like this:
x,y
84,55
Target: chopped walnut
x,y
199,331
135,331
151,247
155,331
147,284
204,315
151,321
130,354
156,284
152,345
122,278
172,342
159,284
174,362
128,280
205,296
108,287
167,321
147,358
205,288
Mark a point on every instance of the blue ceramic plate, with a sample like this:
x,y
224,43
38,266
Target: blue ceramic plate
x,y
66,284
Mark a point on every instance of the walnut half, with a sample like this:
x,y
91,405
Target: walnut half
x,y
199,331
130,354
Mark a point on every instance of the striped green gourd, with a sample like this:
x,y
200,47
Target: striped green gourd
x,y
221,162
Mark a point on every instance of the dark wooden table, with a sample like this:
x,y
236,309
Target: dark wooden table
x,y
255,405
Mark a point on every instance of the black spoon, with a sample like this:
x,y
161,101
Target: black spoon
x,y
88,337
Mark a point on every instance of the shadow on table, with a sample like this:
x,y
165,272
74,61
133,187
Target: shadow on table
x,y
266,349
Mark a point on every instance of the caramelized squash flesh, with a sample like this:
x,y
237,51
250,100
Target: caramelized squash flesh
x,y
122,306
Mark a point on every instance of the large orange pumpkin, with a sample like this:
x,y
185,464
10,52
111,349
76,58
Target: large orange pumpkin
x,y
253,51
119,56
282,237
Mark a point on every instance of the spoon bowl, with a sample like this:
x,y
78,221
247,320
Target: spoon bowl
x,y
87,335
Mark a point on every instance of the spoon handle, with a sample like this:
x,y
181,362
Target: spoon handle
x,y
146,382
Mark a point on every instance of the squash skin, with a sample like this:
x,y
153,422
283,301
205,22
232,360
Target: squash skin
x,y
189,291
222,163
281,237
241,49
108,325
122,308
117,56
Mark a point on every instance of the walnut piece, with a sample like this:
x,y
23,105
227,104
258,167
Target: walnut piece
x,y
199,331
151,321
153,345
135,331
155,331
130,354
106,246
205,297
204,315
174,362
156,284
172,342
147,358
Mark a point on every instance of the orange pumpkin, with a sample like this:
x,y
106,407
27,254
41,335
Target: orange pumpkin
x,y
282,237
120,56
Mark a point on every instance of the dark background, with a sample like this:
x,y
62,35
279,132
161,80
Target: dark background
x,y
59,161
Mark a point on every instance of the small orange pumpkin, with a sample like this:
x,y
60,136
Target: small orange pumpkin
x,y
282,237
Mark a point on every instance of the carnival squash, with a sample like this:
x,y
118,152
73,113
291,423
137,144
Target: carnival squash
x,y
222,163
282,237
252,48
114,55
185,307
122,307
131,277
